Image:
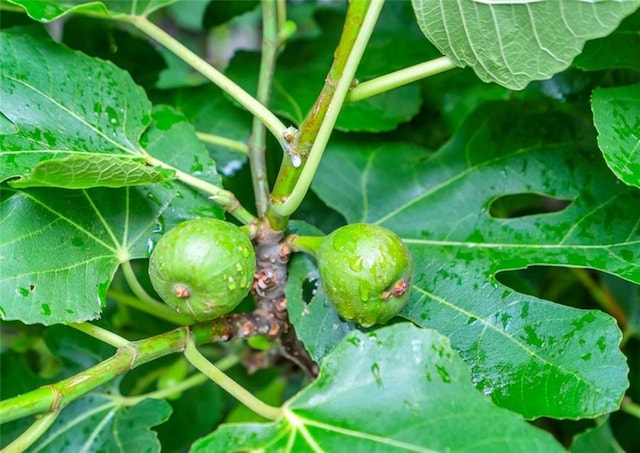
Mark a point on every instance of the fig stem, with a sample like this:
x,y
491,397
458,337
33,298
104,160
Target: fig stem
x,y
401,77
228,143
258,110
52,398
144,301
286,204
104,335
257,140
232,387
32,433
224,198
305,244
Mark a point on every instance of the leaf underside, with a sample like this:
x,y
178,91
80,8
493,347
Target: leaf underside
x,y
514,42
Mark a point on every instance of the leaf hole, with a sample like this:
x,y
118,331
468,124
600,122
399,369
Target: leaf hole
x,y
309,288
525,204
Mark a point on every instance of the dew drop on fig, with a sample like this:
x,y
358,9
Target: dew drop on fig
x,y
356,264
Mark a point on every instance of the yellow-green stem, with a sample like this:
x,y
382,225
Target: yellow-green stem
x,y
241,96
160,310
228,143
311,134
232,387
306,244
31,434
101,334
399,78
630,407
54,397
257,141
288,206
224,198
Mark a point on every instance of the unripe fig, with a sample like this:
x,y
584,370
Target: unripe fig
x,y
366,272
203,267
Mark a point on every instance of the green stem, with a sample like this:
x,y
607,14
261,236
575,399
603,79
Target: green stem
x,y
144,301
257,141
234,145
232,387
281,10
224,198
630,407
31,434
54,397
306,244
399,78
241,96
301,143
287,206
101,334
161,310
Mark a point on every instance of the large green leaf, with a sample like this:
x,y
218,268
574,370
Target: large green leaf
x,y
530,355
64,245
400,388
616,114
49,10
76,130
513,42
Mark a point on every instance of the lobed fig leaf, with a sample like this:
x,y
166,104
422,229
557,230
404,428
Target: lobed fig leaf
x,y
203,268
366,272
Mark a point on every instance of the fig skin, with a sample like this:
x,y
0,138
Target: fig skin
x,y
366,271
203,268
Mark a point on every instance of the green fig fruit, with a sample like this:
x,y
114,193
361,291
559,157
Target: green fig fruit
x,y
366,272
203,268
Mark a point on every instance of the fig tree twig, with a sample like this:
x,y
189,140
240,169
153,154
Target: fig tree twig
x,y
272,255
257,141
297,171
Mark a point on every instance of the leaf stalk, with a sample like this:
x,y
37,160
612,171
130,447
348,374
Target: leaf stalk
x,y
143,301
245,99
257,141
399,78
101,334
224,198
232,387
228,143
